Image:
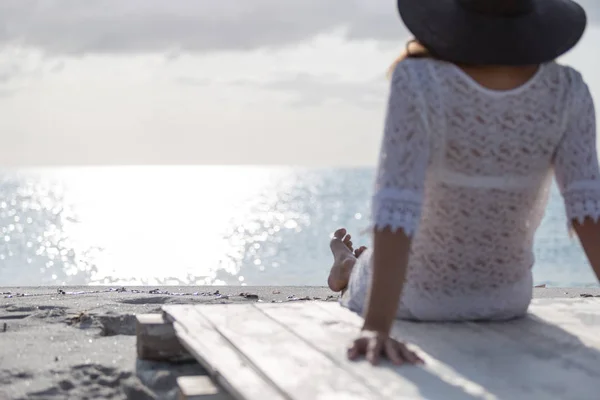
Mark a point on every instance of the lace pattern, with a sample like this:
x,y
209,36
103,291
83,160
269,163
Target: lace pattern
x,y
404,158
576,159
397,209
501,303
466,171
583,203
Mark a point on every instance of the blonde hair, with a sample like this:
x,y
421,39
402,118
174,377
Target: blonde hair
x,y
413,49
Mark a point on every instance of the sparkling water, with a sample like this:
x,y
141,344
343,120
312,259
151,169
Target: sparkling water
x,y
205,225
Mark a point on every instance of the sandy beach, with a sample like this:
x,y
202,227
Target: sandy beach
x,y
79,342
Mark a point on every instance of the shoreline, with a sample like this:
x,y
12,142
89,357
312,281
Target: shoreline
x,y
265,292
65,342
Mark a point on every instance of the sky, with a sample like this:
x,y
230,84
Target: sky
x,y
295,82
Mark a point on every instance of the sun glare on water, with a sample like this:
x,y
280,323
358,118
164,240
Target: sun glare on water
x,y
170,225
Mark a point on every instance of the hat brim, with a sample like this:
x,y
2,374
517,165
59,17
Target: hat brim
x,y
455,34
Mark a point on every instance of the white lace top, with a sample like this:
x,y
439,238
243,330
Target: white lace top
x,y
466,171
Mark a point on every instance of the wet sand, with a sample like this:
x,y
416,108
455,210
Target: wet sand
x,y
79,342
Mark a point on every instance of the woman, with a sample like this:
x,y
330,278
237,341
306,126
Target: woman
x,y
475,127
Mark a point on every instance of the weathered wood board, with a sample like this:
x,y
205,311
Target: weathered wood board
x,y
298,351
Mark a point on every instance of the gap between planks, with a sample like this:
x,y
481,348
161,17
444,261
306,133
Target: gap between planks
x,y
299,370
330,329
157,341
226,366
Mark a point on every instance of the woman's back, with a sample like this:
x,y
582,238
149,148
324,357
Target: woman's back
x,y
476,165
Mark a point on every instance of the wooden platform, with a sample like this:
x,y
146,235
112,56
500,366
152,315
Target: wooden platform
x,y
298,351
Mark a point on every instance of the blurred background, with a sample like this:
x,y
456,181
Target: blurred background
x,y
197,142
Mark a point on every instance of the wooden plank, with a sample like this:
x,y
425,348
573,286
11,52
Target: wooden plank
x,y
228,368
580,317
332,328
564,370
297,350
199,388
554,330
303,372
512,366
156,340
453,354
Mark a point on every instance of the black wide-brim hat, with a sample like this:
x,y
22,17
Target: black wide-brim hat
x,y
495,32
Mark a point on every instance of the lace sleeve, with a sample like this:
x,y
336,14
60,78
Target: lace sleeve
x,y
576,159
403,160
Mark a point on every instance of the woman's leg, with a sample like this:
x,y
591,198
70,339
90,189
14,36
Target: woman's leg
x,y
344,258
351,274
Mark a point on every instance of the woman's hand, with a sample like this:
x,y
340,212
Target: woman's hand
x,y
373,345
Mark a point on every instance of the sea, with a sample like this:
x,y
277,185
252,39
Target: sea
x,y
206,225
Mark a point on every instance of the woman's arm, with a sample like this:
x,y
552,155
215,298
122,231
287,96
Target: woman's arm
x,y
390,260
589,236
577,171
396,211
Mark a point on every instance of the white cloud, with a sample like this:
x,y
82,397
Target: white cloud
x,y
234,107
117,26
149,81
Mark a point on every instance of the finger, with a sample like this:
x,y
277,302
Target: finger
x,y
392,352
357,349
353,353
374,351
409,355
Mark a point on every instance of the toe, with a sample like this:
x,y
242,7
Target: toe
x,y
348,242
339,244
359,251
339,234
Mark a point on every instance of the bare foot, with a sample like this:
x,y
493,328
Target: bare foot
x,y
344,258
